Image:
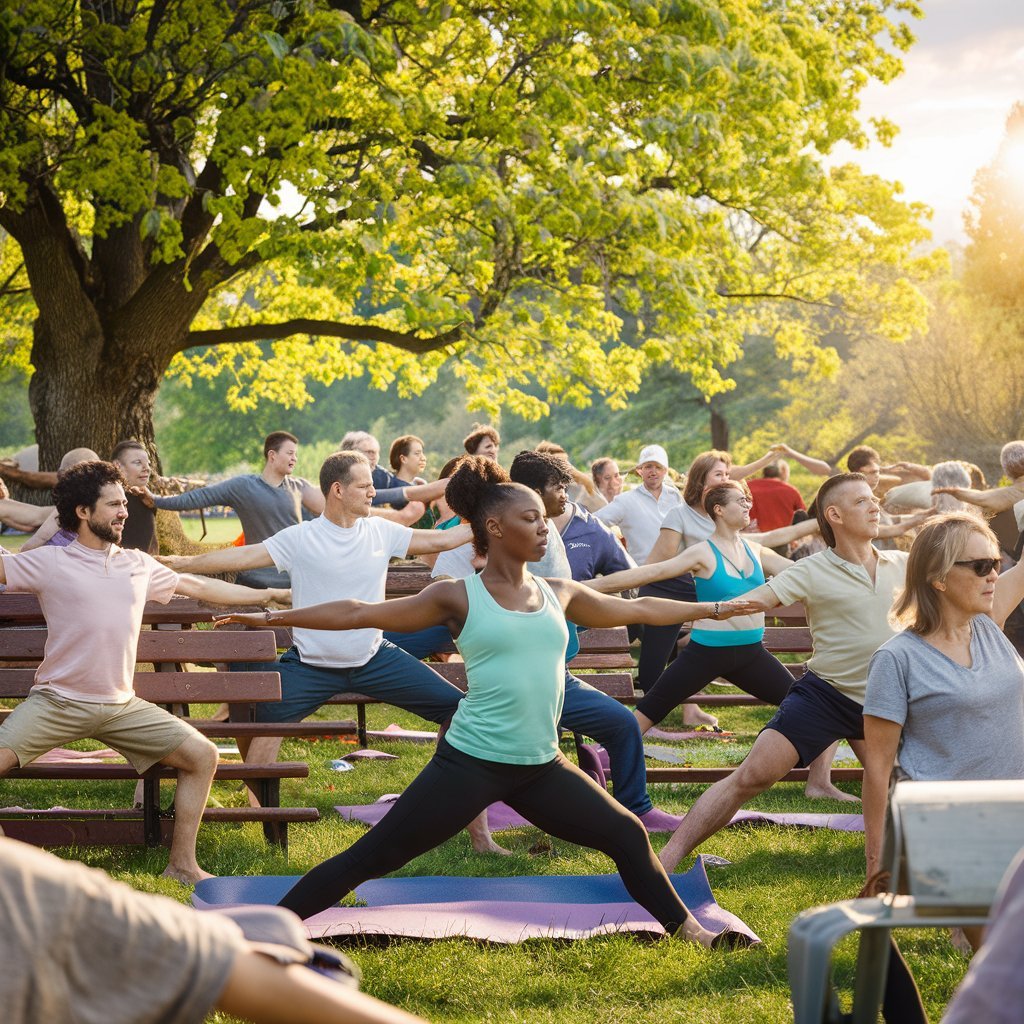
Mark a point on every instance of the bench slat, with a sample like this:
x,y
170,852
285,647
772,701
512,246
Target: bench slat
x,y
227,771
173,687
715,774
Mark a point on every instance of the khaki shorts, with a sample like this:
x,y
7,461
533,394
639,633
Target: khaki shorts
x,y
142,732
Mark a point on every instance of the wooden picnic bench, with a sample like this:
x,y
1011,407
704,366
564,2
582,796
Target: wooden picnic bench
x,y
167,685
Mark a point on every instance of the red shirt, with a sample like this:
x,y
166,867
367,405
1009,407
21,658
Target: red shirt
x,y
775,501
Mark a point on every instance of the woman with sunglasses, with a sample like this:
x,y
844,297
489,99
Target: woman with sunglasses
x,y
945,698
502,742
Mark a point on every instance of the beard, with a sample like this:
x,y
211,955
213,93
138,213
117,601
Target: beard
x,y
106,532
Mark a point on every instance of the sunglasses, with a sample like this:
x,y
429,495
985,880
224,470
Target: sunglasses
x,y
981,566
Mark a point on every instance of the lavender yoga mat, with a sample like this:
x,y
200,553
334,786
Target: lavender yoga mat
x,y
502,910
500,816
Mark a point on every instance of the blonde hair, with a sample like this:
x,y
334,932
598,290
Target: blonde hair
x,y
941,542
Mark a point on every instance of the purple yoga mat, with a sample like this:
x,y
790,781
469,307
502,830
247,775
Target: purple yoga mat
x,y
502,910
500,816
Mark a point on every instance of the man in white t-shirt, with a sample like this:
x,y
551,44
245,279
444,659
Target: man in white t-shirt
x,y
92,594
340,555
638,513
848,590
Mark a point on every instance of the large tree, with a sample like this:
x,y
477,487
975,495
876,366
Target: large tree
x,y
552,194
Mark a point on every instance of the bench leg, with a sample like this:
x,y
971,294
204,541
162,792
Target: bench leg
x,y
361,725
275,832
151,829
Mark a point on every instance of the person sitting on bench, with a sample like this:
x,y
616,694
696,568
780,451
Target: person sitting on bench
x,y
92,594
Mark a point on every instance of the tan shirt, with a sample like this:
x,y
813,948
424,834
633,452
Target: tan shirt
x,y
847,613
93,603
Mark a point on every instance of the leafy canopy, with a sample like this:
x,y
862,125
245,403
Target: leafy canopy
x,y
554,194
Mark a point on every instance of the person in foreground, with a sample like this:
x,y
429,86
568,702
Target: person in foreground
x,y
847,590
254,963
93,593
950,666
502,743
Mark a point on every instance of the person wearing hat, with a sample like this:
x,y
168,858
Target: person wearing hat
x,y
638,513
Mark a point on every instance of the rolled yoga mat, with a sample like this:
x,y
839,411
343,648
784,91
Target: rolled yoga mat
x,y
500,816
505,910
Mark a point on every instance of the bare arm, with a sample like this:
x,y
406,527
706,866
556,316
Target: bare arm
x,y
763,598
22,516
905,524
695,557
668,545
35,480
739,472
429,542
222,592
881,741
906,471
784,534
812,465
998,499
44,533
773,563
441,603
249,556
586,607
313,499
1009,594
411,513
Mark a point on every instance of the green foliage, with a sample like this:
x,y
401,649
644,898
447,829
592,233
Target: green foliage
x,y
550,197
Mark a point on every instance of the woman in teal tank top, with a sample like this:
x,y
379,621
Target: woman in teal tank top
x,y
724,566
502,743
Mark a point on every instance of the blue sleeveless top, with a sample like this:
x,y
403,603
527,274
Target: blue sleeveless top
x,y
723,586
515,666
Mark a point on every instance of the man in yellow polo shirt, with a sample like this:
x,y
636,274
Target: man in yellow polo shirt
x,y
848,590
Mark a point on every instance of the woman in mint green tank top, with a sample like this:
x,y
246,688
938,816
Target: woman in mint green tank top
x,y
502,743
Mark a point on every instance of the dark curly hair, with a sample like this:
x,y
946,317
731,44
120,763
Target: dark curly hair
x,y
479,488
472,440
81,485
538,470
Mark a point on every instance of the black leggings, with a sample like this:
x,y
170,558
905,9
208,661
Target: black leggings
x,y
748,666
454,788
659,642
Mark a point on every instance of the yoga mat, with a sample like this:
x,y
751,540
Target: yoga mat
x,y
500,816
396,732
696,734
502,910
370,755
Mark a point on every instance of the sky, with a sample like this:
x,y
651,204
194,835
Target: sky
x,y
961,78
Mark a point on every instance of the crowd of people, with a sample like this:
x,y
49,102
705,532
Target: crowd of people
x,y
915,617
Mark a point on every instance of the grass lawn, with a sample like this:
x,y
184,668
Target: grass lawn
x,y
774,874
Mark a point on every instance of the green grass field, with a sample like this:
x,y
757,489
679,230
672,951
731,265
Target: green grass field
x,y
774,874
219,530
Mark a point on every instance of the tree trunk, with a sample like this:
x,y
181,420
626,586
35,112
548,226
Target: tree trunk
x,y
83,402
719,430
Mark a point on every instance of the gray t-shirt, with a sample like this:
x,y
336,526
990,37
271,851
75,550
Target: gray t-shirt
x,y
693,525
555,563
262,510
958,723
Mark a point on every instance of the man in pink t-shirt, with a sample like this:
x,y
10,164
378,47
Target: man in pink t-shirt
x,y
92,594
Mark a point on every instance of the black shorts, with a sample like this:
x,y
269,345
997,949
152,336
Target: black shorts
x,y
814,715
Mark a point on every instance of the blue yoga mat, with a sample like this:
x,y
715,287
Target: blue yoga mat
x,y
493,909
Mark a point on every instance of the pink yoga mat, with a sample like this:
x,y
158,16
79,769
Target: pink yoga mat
x,y
500,816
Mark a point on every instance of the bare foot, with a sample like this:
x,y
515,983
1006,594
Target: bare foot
x,y
481,838
829,792
693,715
188,875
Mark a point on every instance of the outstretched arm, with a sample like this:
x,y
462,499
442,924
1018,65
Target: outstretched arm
x,y
429,542
905,523
812,465
44,533
626,579
784,534
763,599
739,472
22,516
998,499
249,556
222,592
1009,594
585,607
34,480
441,603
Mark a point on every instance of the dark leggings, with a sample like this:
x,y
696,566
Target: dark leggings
x,y
659,642
748,666
454,788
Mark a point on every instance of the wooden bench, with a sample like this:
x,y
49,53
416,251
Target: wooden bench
x,y
956,840
170,686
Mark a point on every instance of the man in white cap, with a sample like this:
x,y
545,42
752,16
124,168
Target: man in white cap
x,y
638,513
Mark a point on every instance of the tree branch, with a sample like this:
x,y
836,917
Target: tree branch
x,y
326,328
780,295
